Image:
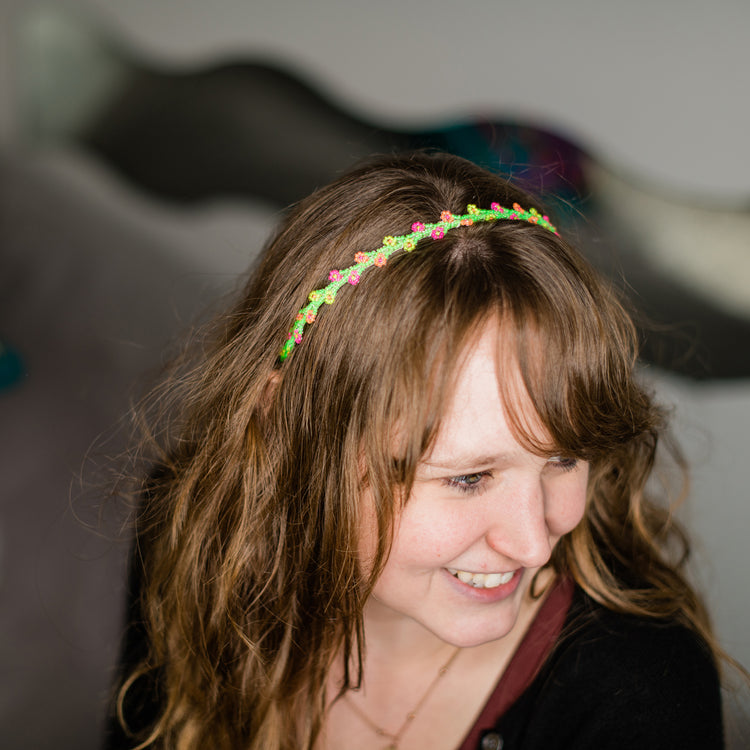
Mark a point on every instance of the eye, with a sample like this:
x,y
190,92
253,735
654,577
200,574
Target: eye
x,y
467,482
564,463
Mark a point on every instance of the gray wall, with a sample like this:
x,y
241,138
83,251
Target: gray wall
x,y
655,86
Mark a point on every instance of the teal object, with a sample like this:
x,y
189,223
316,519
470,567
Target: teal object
x,y
11,367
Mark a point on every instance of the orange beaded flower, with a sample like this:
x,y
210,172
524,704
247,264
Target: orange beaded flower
x,y
407,242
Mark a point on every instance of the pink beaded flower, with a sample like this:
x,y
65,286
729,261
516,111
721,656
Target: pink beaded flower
x,y
407,242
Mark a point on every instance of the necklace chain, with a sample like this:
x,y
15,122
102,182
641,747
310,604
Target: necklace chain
x,y
395,737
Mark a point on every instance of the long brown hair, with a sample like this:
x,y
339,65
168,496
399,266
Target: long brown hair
x,y
248,528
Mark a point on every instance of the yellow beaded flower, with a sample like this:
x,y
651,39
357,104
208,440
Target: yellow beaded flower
x,y
407,242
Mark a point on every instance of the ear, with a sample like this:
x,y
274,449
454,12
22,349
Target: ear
x,y
264,407
269,392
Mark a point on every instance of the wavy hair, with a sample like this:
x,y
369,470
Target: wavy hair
x,y
250,583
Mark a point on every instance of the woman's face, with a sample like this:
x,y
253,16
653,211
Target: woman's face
x,y
484,515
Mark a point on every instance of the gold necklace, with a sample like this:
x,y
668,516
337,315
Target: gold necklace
x,y
395,738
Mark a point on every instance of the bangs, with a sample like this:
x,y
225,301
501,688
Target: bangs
x,y
378,369
558,326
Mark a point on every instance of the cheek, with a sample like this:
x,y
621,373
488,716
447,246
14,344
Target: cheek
x,y
428,532
569,507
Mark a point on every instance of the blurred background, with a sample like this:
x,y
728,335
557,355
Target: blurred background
x,y
148,147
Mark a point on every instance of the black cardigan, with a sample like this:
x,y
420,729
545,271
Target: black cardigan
x,y
612,682
616,682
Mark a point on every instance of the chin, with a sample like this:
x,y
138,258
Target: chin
x,y
468,633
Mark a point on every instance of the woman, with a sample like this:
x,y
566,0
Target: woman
x,y
413,513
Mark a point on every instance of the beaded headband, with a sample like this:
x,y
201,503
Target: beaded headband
x,y
407,242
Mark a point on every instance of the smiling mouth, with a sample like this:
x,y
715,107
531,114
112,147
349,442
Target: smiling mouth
x,y
482,580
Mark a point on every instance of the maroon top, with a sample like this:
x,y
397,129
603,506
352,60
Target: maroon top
x,y
526,662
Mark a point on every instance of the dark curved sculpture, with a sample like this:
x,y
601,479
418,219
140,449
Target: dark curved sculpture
x,y
249,129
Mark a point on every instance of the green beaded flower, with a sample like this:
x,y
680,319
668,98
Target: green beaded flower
x,y
407,242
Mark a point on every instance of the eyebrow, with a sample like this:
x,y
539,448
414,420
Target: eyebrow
x,y
467,461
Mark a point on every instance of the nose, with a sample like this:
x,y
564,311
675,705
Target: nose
x,y
517,528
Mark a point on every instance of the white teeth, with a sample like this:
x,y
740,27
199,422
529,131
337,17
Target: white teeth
x,y
494,579
482,580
